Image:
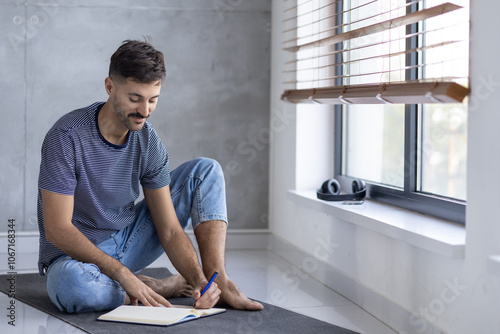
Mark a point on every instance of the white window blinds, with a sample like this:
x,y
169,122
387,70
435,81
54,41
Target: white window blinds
x,y
376,51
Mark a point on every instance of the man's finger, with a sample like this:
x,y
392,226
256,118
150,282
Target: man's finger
x,y
160,300
156,300
165,302
144,300
209,298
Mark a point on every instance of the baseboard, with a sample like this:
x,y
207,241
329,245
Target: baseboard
x,y
22,242
394,316
27,242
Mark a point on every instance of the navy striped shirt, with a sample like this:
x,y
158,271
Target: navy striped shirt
x,y
104,178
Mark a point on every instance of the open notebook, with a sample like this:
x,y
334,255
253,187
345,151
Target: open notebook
x,y
161,316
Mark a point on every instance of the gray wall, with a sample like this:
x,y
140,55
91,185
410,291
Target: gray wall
x,y
54,56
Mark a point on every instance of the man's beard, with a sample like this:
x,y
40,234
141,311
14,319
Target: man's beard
x,y
126,118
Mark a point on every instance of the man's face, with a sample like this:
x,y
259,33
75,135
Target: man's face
x,y
133,102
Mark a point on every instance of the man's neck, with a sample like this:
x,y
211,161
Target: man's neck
x,y
112,129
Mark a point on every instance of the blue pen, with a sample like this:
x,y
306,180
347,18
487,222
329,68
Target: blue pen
x,y
209,282
208,285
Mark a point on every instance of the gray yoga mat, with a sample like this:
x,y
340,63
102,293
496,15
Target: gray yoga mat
x,y
31,289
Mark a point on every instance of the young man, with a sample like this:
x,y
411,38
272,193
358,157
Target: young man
x,y
94,237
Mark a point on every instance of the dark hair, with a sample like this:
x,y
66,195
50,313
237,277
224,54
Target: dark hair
x,y
139,61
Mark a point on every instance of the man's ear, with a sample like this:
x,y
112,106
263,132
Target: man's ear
x,y
109,85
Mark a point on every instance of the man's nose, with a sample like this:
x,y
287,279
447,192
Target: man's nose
x,y
143,109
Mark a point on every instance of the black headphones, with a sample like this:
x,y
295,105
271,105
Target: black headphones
x,y
330,191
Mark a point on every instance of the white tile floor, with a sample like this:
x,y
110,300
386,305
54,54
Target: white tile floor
x,y
259,273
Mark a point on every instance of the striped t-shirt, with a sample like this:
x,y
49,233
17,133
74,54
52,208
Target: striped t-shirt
x,y
104,178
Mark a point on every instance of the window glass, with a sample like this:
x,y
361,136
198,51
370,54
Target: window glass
x,y
444,150
374,143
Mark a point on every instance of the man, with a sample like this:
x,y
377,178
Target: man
x,y
94,237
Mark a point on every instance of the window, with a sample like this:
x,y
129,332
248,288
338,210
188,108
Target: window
x,y
411,154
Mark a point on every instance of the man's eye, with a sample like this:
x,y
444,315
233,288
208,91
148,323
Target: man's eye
x,y
135,101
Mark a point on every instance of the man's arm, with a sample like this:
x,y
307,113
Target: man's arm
x,y
60,231
178,246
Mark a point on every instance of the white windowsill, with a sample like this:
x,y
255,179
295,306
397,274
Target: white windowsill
x,y
432,234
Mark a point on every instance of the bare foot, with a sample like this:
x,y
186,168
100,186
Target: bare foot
x,y
172,286
233,297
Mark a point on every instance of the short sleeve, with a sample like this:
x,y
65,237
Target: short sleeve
x,y
57,167
157,171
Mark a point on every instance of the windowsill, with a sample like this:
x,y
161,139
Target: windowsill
x,y
432,234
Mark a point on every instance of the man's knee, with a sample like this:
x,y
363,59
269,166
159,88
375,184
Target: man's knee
x,y
80,287
209,166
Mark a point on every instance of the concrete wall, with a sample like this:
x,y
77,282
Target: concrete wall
x,y
54,56
409,277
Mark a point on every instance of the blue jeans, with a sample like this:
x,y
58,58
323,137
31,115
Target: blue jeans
x,y
198,193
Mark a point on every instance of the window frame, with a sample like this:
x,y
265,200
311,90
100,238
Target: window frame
x,y
408,198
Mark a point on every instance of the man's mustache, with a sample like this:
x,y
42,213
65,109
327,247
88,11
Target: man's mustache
x,y
138,115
